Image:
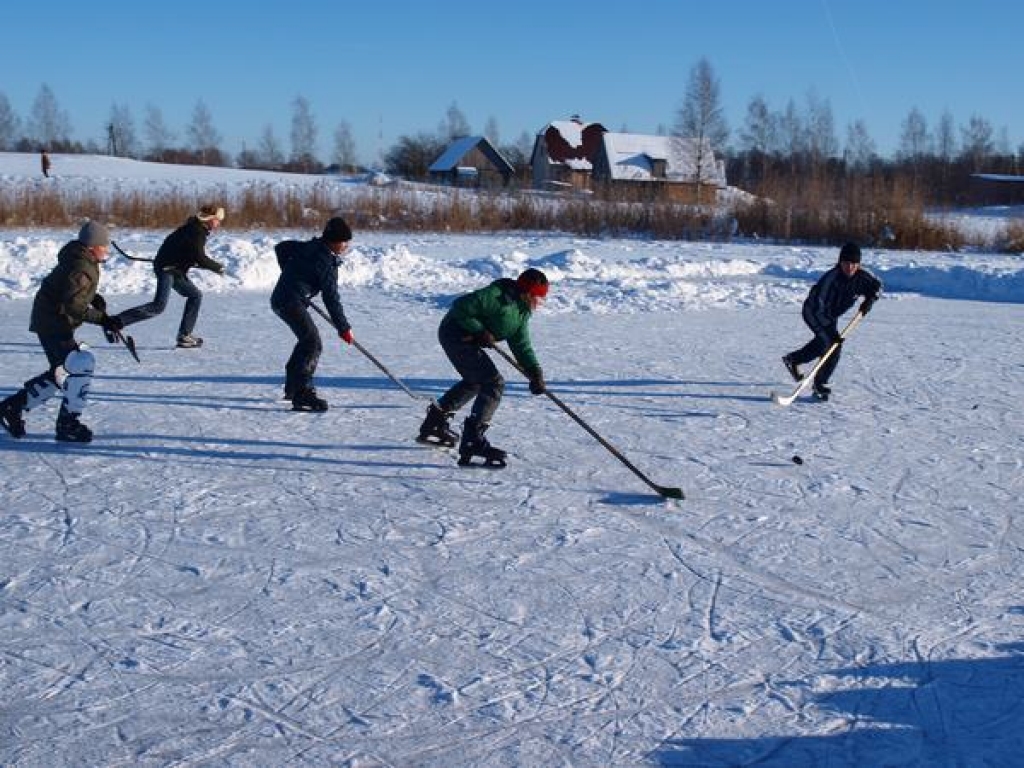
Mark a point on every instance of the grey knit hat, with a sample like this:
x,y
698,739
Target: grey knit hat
x,y
93,234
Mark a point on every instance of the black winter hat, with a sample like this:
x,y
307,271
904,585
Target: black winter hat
x,y
337,231
850,252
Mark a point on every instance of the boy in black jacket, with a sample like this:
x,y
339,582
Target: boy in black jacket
x,y
66,298
307,269
183,249
833,294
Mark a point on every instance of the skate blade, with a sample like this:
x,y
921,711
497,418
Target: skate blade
x,y
435,443
485,464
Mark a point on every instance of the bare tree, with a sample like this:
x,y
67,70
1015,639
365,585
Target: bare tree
x,y
701,117
860,147
269,150
792,133
454,125
121,132
915,141
759,135
48,124
945,138
978,145
492,132
159,137
10,124
202,136
344,147
303,135
760,129
821,132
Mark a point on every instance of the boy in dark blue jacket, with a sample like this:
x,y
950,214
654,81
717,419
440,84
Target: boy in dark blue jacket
x,y
307,269
833,295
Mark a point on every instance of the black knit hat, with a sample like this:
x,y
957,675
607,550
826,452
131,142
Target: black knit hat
x,y
337,231
850,252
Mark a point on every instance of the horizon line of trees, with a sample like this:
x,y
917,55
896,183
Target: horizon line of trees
x,y
773,145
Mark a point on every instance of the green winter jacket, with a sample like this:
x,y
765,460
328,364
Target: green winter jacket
x,y
501,309
63,301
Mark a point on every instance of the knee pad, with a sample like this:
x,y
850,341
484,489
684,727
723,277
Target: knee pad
x,y
80,361
75,377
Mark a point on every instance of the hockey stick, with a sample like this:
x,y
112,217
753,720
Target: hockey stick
x,y
668,493
120,250
807,379
368,356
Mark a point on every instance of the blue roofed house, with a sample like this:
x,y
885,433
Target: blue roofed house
x,y
472,161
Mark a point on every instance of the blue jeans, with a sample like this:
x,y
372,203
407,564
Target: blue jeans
x,y
164,282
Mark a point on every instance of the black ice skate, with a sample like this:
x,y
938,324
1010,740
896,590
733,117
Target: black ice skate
x,y
794,371
436,428
10,414
308,400
822,391
70,429
474,444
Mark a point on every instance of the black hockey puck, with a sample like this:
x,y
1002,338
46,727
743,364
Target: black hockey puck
x,y
797,460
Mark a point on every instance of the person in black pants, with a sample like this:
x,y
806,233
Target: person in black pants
x,y
833,294
307,269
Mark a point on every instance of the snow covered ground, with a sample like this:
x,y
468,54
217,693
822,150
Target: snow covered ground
x,y
219,581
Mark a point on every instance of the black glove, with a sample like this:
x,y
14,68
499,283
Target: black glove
x,y
837,340
98,303
484,339
537,385
112,324
867,304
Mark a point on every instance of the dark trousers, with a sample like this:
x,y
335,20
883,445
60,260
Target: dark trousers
x,y
302,364
165,281
815,348
480,379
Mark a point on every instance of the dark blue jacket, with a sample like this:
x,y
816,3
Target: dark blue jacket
x,y
834,294
309,269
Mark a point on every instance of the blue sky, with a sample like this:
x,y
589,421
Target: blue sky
x,y
394,68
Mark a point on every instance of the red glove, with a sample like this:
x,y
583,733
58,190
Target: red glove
x,y
347,336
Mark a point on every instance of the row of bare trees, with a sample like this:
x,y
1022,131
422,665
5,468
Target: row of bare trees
x,y
775,149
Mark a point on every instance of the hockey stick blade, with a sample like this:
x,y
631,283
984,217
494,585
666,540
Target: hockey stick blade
x,y
669,493
128,256
129,342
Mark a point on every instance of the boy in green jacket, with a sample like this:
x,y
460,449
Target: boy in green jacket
x,y
478,320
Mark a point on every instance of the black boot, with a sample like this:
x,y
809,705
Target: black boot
x,y
475,444
307,400
822,390
188,341
70,429
794,371
11,409
436,428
